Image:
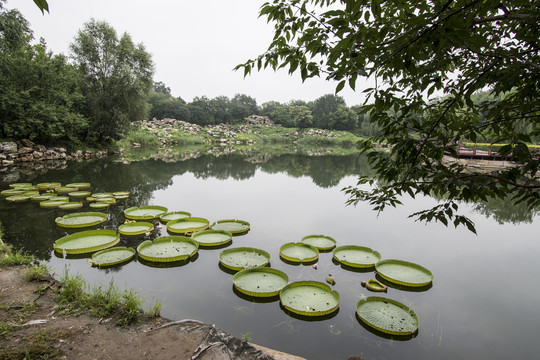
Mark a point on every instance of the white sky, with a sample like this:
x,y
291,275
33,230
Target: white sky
x,y
195,44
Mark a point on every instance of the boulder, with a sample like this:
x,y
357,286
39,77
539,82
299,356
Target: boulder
x,y
8,147
27,143
25,150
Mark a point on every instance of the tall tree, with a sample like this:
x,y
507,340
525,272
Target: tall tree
x,y
415,50
323,107
117,78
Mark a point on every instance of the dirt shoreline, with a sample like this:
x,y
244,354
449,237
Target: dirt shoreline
x,y
31,327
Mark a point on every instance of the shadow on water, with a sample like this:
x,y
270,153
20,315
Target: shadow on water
x,y
255,299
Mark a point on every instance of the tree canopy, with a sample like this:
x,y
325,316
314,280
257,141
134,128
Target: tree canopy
x,y
429,59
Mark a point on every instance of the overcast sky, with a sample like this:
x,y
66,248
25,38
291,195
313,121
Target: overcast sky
x,y
195,44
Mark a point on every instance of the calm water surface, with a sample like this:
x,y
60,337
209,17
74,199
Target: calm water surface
x,y
484,302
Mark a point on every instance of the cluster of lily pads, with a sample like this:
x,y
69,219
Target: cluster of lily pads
x,y
312,298
54,195
253,275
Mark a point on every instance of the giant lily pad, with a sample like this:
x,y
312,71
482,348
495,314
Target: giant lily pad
x,y
232,226
356,256
48,185
404,273
79,185
20,185
112,256
80,220
135,228
86,241
12,192
42,197
299,252
147,212
260,282
309,298
99,205
79,194
65,189
187,225
212,237
17,198
168,249
388,316
51,204
243,257
173,215
321,242
70,206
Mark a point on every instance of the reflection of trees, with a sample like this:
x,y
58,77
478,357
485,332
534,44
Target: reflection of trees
x,y
506,211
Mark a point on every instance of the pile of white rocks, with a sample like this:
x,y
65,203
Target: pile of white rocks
x,y
25,151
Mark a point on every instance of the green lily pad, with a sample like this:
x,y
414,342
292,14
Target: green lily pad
x,y
374,285
309,298
168,249
52,204
135,228
147,212
78,194
19,185
112,256
121,193
103,195
321,242
243,257
260,281
99,205
173,215
11,192
80,185
70,206
356,256
298,252
387,315
212,237
64,189
17,198
232,226
108,200
48,185
187,225
42,197
404,273
80,220
86,241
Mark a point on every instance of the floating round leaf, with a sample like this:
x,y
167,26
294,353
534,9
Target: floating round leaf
x,y
387,315
51,204
147,212
42,197
108,200
48,185
309,298
168,249
17,198
135,228
356,256
64,189
374,285
78,194
79,220
70,206
31,193
121,193
12,192
404,273
174,215
15,185
243,257
103,195
232,226
187,225
299,252
79,186
321,242
112,256
212,237
86,241
260,281
99,205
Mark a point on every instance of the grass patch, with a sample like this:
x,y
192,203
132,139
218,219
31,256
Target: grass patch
x,y
155,310
32,351
6,328
130,309
37,272
10,258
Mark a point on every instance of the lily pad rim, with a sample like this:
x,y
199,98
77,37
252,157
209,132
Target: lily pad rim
x,y
320,236
240,249
115,248
273,271
303,283
169,238
80,234
408,264
295,259
359,248
212,231
391,301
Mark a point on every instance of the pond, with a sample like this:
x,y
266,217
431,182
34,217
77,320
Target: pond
x,y
483,303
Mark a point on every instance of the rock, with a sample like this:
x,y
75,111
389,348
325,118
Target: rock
x,y
25,150
27,143
26,157
37,155
7,162
8,147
